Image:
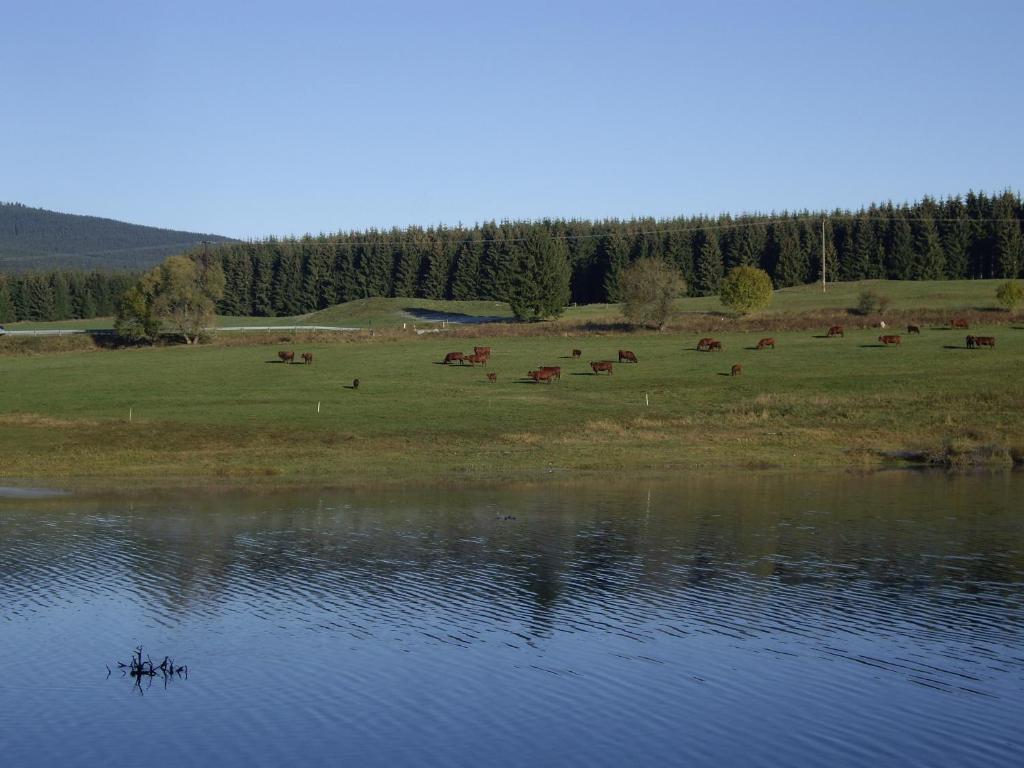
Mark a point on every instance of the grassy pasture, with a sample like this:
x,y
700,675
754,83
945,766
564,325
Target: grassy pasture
x,y
382,314
234,413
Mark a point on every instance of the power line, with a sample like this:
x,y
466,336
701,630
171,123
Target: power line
x,y
336,239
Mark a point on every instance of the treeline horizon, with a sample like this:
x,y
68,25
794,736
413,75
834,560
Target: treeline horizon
x,y
62,294
977,236
974,237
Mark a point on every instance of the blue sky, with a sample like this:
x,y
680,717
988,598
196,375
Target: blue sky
x,y
256,118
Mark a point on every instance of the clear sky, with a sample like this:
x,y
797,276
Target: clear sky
x,y
254,118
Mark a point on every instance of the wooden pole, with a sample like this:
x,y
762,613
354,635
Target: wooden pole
x,y
823,255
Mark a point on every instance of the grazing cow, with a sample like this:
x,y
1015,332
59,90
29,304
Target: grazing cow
x,y
913,329
492,377
887,340
985,341
485,351
286,357
702,345
576,353
307,358
451,357
601,365
736,370
714,346
971,342
539,376
769,342
835,330
476,357
958,322
556,370
355,383
625,356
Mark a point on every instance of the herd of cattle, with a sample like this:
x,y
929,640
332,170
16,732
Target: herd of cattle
x,y
545,373
549,373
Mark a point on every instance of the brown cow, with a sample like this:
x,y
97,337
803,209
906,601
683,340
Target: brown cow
x,y
601,365
476,357
714,346
307,358
539,376
485,351
887,340
625,356
492,377
451,357
972,342
286,357
576,353
554,369
702,345
769,342
736,370
985,341
835,330
958,322
913,329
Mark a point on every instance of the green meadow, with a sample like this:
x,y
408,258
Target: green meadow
x,y
390,314
235,414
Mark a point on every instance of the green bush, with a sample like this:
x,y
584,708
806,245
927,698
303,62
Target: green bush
x,y
745,289
869,302
1010,294
648,287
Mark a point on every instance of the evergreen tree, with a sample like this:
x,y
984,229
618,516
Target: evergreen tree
x,y
929,261
746,245
262,283
317,286
408,252
900,248
1008,243
60,296
614,250
790,258
954,233
981,246
6,302
39,298
287,282
540,280
236,264
678,250
466,277
710,266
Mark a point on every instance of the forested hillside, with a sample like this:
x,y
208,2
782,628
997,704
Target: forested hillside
x,y
34,238
978,236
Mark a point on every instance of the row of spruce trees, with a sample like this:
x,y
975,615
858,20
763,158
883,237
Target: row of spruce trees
x,y
977,236
61,295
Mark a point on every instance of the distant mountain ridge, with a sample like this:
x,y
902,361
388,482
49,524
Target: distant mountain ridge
x,y
35,238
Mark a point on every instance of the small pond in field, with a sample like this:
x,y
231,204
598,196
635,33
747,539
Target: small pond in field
x,y
749,620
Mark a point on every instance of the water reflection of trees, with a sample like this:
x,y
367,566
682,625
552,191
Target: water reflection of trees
x,y
570,549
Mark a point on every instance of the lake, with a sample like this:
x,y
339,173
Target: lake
x,y
748,620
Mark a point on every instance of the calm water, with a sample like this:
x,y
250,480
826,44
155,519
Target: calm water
x,y
755,621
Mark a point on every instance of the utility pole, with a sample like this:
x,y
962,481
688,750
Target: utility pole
x,y
823,255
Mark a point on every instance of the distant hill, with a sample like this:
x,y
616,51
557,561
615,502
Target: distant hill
x,y
34,238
